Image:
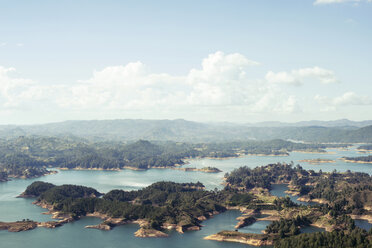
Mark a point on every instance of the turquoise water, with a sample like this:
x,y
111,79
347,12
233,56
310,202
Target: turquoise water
x,y
256,227
75,235
227,165
279,190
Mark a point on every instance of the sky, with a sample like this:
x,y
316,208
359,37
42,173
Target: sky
x,y
209,61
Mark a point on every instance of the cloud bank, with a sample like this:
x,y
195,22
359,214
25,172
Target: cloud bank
x,y
222,81
297,77
346,99
222,86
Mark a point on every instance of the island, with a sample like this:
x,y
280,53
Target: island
x,y
18,226
365,148
318,161
244,238
162,206
342,197
156,208
361,160
32,156
204,169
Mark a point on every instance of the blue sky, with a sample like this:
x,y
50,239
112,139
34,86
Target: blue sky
x,y
263,60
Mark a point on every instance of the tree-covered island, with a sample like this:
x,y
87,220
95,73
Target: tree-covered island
x,y
31,156
342,197
361,159
183,206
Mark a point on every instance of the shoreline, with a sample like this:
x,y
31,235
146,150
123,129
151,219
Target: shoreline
x,y
244,238
355,161
314,152
51,172
110,222
368,218
317,161
177,167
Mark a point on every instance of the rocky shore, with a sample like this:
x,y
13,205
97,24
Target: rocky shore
x,y
205,169
150,233
145,231
18,226
25,225
245,221
315,200
26,175
244,238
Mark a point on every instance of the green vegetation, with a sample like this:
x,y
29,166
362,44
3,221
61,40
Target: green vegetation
x,y
29,156
160,203
185,205
342,194
263,177
287,227
37,188
345,193
336,239
3,176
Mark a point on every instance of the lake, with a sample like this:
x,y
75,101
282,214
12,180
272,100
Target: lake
x,y
75,235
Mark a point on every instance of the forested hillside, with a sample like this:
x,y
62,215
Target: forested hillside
x,y
30,156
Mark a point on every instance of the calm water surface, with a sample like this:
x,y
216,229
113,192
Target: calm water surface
x,y
363,224
75,235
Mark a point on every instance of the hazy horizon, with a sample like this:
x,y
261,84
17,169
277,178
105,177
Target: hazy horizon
x,y
181,119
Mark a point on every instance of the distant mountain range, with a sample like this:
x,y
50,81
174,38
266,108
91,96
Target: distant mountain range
x,y
188,131
335,123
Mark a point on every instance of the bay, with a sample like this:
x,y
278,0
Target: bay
x,y
75,235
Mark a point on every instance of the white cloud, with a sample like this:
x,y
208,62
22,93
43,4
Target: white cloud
x,y
347,99
21,93
222,85
296,77
222,81
322,2
2,44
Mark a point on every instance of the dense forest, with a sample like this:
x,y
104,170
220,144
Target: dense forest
x,y
348,192
288,227
340,196
160,203
29,156
186,205
336,239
